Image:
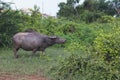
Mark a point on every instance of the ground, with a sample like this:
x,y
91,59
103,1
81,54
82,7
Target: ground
x,y
5,76
27,67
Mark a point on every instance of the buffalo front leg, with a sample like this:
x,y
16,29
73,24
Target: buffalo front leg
x,y
43,52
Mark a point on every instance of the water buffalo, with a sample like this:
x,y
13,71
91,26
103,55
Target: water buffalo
x,y
34,41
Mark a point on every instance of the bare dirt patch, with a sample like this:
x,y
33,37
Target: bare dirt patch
x,y
4,76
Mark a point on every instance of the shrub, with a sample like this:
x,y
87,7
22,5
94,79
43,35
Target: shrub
x,y
106,19
88,68
107,44
8,27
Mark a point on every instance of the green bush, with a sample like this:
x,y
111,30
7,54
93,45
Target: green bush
x,y
8,27
88,68
108,44
106,19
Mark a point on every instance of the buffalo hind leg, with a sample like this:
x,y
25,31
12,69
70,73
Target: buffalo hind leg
x,y
33,52
15,52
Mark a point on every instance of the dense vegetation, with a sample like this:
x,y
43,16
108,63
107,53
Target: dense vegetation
x,y
92,32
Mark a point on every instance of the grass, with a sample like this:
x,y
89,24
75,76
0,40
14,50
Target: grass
x,y
27,65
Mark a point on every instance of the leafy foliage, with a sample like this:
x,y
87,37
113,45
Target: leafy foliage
x,y
90,68
107,44
8,27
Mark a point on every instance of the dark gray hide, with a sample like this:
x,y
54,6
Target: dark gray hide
x,y
33,41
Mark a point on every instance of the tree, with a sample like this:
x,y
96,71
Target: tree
x,y
67,9
89,11
5,5
116,6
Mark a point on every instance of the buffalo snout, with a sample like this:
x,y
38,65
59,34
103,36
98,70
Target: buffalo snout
x,y
60,41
